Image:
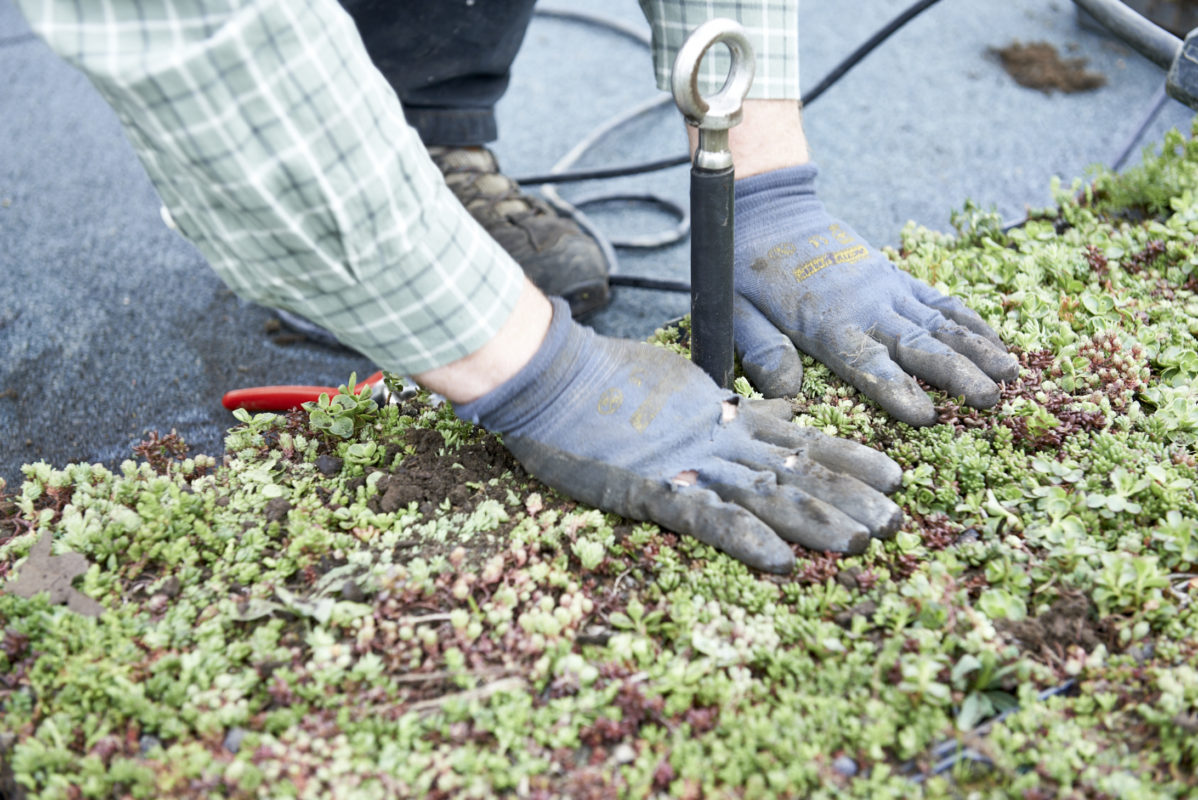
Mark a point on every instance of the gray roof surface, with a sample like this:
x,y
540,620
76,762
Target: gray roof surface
x,y
112,326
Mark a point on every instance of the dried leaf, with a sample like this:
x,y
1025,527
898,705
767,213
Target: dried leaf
x,y
256,608
43,572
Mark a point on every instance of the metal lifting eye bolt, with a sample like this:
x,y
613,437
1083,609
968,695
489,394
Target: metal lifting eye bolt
x,y
715,115
712,189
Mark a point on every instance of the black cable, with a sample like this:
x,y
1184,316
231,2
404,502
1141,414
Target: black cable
x,y
601,173
950,751
637,282
809,97
1155,107
643,241
865,49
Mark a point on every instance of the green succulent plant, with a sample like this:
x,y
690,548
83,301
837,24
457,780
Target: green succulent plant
x,y
377,602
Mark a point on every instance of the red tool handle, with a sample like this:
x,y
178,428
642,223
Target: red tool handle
x,y
284,398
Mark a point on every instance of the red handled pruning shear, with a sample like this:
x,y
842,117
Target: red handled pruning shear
x,y
285,398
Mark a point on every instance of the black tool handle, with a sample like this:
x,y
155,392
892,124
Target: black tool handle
x,y
711,272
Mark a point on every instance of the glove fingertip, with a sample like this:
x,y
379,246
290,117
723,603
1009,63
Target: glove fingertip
x,y
1008,371
827,528
701,513
889,528
749,540
872,467
919,419
982,395
785,379
779,560
777,408
746,539
906,402
998,366
886,476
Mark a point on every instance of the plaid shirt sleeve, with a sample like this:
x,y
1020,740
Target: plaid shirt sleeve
x,y
284,156
772,27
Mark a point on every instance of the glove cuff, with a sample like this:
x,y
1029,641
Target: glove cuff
x,y
759,192
506,406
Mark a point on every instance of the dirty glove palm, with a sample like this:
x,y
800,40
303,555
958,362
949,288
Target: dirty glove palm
x,y
806,278
641,431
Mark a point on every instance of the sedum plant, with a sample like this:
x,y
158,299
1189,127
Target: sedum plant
x,y
377,602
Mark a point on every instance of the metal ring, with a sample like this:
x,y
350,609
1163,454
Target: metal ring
x,y
723,109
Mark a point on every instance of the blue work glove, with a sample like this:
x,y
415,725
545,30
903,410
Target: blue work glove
x,y
805,279
641,431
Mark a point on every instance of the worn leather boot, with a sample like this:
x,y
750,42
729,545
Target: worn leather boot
x,y
554,252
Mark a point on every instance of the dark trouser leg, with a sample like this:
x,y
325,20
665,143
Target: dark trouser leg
x,y
449,60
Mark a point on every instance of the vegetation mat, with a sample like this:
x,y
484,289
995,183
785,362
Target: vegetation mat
x,y
376,603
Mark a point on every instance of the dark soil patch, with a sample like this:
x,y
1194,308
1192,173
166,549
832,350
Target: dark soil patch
x,y
11,522
1070,621
442,479
1038,65
432,474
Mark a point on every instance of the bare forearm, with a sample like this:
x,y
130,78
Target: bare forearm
x,y
502,357
769,137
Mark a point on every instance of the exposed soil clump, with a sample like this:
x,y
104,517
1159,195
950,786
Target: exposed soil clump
x,y
1071,621
276,510
1038,65
11,521
434,473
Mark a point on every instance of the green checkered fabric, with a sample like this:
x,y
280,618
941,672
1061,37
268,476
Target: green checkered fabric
x,y
284,156
771,25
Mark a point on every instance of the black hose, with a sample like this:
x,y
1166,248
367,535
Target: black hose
x,y
1147,38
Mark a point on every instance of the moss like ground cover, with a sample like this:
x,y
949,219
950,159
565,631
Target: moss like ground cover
x,y
363,603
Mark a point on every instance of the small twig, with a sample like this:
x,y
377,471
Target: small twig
x,y
422,618
1047,585
444,674
481,693
615,587
1179,583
